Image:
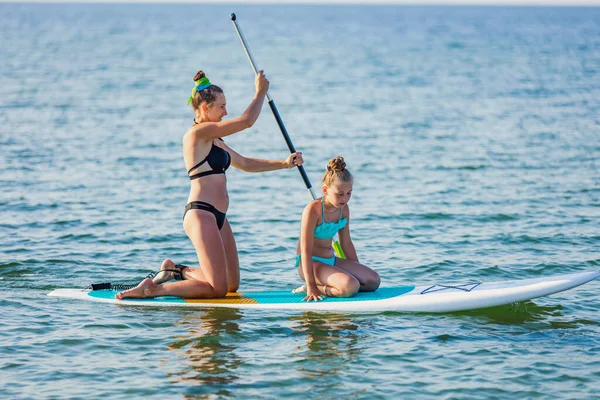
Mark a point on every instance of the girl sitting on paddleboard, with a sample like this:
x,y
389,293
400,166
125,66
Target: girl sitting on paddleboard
x,y
207,157
323,272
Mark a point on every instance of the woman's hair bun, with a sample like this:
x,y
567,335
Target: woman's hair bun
x,y
199,75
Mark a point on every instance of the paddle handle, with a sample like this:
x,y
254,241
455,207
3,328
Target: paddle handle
x,y
246,48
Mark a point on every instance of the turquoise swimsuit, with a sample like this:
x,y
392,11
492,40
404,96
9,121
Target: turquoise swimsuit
x,y
326,230
328,261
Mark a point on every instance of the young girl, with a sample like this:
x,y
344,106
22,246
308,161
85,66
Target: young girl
x,y
322,272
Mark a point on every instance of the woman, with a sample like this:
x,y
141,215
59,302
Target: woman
x,y
322,272
207,157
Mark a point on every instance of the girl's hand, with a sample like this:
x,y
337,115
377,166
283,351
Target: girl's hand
x,y
261,83
294,160
312,293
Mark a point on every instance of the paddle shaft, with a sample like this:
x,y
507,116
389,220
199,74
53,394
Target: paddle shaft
x,y
284,132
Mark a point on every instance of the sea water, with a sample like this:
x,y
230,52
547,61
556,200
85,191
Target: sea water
x,y
474,139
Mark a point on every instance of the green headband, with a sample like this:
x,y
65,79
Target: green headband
x,y
201,84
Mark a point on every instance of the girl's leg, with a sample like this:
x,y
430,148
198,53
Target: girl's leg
x,y
208,282
231,254
369,280
333,281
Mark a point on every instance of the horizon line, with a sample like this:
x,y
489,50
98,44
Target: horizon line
x,y
490,3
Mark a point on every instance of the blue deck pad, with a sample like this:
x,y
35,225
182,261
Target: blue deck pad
x,y
286,297
270,297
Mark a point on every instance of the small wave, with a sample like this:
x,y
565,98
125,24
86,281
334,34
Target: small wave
x,y
498,217
437,216
447,338
461,168
413,125
10,264
71,236
528,239
455,45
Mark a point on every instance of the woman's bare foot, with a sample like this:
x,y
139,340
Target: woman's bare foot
x,y
166,272
144,289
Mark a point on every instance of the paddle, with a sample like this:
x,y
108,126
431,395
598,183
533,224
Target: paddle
x,y
288,141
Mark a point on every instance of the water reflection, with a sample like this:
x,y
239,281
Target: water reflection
x,y
216,341
332,343
209,349
516,313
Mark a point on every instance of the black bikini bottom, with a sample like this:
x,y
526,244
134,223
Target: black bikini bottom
x,y
201,205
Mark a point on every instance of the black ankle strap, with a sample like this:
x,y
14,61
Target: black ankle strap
x,y
177,272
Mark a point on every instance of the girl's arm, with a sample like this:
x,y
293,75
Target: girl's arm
x,y
307,230
257,165
346,240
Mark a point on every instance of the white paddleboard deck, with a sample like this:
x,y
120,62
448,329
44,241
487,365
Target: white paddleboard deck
x,y
446,297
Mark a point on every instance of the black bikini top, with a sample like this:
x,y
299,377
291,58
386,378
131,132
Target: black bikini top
x,y
218,160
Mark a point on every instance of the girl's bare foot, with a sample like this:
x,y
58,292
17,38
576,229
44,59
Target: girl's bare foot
x,y
166,272
301,289
144,289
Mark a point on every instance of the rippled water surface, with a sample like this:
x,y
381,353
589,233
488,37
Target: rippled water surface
x,y
474,138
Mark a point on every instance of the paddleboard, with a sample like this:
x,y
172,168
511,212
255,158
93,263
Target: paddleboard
x,y
435,298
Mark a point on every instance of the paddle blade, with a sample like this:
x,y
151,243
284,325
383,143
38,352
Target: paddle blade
x,y
338,250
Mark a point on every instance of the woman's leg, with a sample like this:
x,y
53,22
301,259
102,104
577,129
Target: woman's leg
x,y
333,281
369,280
231,255
167,272
208,282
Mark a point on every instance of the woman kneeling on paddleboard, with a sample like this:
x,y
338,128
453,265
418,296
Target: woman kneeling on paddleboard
x,y
321,220
207,158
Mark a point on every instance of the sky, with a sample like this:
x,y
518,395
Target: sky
x,y
457,2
